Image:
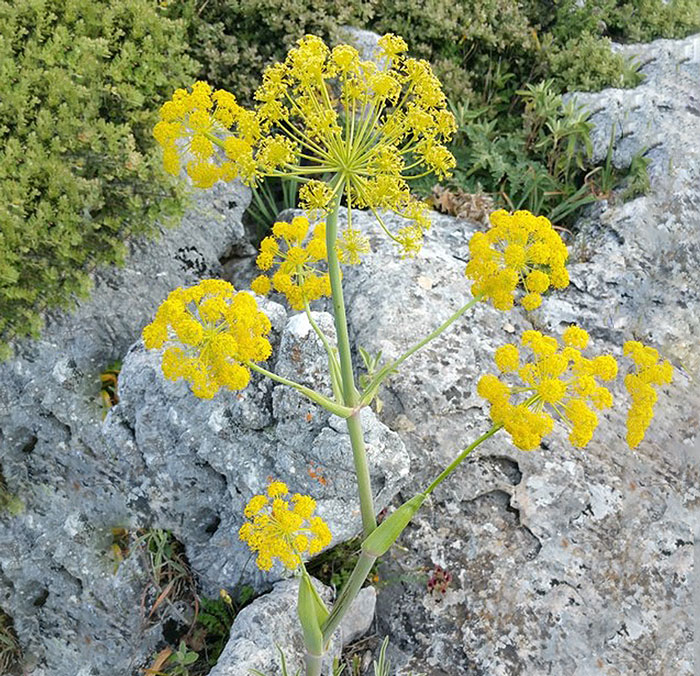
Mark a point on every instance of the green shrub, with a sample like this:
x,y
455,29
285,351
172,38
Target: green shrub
x,y
626,21
236,39
587,63
78,170
481,49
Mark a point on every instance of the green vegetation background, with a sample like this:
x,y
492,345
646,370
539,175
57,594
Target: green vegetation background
x,y
79,172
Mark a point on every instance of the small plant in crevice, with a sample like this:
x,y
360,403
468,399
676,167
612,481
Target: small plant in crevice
x,y
439,582
10,651
170,579
109,394
9,503
200,648
197,628
334,566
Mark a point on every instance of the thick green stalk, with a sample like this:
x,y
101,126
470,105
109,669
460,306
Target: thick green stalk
x,y
371,390
364,484
347,595
458,460
313,663
350,396
341,323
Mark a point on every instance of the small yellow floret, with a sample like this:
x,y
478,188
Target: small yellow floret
x,y
261,285
575,336
277,488
507,358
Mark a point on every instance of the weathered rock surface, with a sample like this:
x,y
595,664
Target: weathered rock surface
x,y
271,621
564,561
73,615
366,42
204,459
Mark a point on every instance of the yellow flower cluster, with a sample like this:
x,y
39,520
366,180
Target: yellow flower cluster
x,y
211,331
283,529
193,122
560,380
297,275
324,112
520,249
648,372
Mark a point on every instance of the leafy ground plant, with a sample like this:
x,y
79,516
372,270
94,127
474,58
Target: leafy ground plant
x,y
10,651
355,136
200,636
9,503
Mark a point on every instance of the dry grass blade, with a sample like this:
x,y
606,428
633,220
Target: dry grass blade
x,y
161,597
161,658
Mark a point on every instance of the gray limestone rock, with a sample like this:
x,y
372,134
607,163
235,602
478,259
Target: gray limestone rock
x,y
366,42
270,624
72,613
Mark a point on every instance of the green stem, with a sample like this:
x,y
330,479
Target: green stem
x,y
347,595
364,484
350,395
341,323
316,397
371,389
458,460
313,663
336,379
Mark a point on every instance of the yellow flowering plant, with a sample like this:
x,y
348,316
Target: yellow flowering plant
x,y
354,133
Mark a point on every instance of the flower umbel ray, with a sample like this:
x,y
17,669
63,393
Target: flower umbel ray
x,y
327,118
554,380
209,331
283,528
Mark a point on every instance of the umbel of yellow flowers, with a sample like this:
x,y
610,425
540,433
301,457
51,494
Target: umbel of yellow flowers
x,y
518,250
210,332
283,529
557,380
364,131
562,381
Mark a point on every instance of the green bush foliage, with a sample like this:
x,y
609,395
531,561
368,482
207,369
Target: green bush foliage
x,y
481,49
78,169
236,39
